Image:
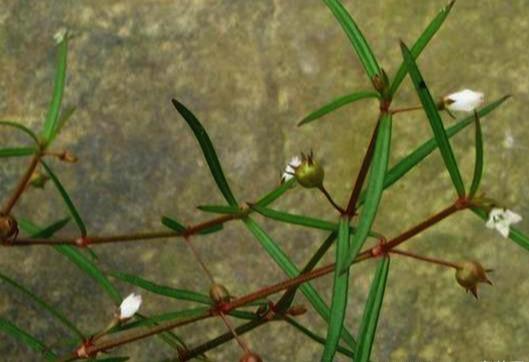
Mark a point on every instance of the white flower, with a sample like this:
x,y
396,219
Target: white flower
x,y
294,163
501,219
464,101
59,35
129,306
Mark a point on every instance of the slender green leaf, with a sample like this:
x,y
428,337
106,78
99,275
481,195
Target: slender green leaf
x,y
67,200
375,187
315,337
211,229
291,270
339,293
514,234
478,164
44,233
16,151
335,104
276,193
111,359
83,263
51,123
170,316
220,209
354,34
208,150
42,304
173,224
21,127
65,116
430,107
420,44
180,294
73,254
408,162
12,330
368,326
295,219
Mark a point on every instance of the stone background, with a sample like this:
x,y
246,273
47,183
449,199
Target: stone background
x,y
250,70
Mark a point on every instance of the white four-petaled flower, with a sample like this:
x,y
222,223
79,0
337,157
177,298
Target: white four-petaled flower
x,y
501,219
294,163
129,306
465,100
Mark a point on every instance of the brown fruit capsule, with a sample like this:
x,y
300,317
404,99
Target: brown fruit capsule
x,y
218,293
8,228
250,357
67,156
469,274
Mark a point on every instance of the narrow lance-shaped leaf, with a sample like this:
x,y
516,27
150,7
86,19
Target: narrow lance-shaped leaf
x,y
295,219
339,293
276,193
220,209
420,153
375,187
22,128
478,163
52,118
430,107
74,255
42,304
335,104
354,34
67,200
180,294
420,44
291,270
16,151
315,337
173,224
514,234
368,326
208,150
26,338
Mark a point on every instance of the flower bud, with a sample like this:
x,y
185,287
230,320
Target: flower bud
x,y
38,180
250,357
129,306
218,293
67,156
381,82
463,101
8,228
296,310
309,173
469,274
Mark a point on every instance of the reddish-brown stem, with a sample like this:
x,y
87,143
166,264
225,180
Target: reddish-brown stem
x,y
425,258
362,174
199,260
134,335
21,186
408,109
91,240
328,196
228,324
422,226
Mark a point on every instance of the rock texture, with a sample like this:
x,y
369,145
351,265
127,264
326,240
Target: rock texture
x,y
250,70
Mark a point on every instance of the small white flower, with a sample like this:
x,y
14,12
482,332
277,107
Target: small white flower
x,y
59,35
129,306
501,219
290,169
464,101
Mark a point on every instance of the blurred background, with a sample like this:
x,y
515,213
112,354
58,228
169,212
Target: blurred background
x,y
250,70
